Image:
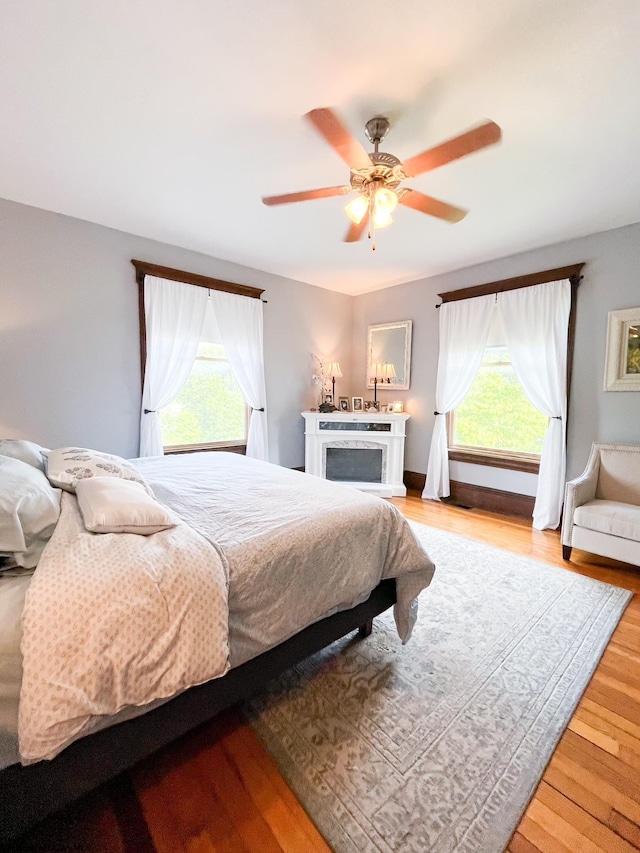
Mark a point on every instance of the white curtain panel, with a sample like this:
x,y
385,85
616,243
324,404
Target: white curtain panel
x,y
240,320
174,314
464,329
536,323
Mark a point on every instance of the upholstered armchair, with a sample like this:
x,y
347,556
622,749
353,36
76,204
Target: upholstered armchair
x,y
602,506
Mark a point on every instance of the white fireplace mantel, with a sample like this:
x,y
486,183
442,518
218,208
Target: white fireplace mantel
x,y
343,431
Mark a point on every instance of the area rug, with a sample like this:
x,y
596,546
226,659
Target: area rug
x,y
437,746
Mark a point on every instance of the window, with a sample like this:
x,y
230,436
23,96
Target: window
x,y
496,418
177,312
210,409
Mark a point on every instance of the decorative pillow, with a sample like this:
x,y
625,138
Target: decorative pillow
x,y
68,465
25,451
110,505
29,510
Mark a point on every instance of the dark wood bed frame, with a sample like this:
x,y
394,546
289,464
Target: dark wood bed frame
x,y
28,794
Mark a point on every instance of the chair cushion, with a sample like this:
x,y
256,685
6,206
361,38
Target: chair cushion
x,y
613,517
619,474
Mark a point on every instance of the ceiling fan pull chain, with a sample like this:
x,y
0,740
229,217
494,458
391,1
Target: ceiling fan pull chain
x,y
372,224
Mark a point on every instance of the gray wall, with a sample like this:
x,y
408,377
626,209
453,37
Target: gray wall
x,y
611,282
69,357
69,343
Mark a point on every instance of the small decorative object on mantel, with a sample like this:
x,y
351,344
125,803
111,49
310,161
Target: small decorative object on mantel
x,y
357,404
622,368
327,405
397,407
322,376
343,404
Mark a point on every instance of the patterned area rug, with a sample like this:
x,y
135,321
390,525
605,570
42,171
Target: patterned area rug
x,y
438,745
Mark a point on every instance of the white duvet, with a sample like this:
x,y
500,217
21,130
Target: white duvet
x,y
114,620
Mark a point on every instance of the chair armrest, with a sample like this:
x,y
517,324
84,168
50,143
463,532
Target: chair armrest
x,y
578,492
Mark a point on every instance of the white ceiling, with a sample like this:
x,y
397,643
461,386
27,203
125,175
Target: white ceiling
x,y
171,118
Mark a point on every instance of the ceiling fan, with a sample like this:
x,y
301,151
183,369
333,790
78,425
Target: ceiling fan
x,y
376,177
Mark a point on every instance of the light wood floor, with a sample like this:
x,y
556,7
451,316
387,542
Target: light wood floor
x,y
217,791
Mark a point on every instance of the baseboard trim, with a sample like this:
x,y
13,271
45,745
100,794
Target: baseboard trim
x,y
414,481
478,497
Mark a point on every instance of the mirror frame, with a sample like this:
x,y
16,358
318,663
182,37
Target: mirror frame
x,y
407,325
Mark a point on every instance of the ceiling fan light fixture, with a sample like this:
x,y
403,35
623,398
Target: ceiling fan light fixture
x,y
381,218
357,209
385,200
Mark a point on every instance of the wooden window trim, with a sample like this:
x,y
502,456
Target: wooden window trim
x,y
497,460
143,268
574,274
514,283
230,447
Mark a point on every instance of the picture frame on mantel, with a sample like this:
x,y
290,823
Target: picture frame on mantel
x,y
622,360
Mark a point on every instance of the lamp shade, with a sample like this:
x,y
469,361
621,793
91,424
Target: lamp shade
x,y
377,370
357,209
388,371
333,369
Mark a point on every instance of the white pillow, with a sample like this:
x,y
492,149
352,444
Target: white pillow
x,y
110,505
25,451
29,510
67,466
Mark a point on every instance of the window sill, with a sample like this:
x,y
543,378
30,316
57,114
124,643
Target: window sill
x,y
513,463
207,448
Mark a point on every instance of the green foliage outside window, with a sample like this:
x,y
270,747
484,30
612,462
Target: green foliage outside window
x,y
633,350
209,408
496,413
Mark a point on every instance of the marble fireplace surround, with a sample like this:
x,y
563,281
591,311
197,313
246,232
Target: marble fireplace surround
x,y
358,430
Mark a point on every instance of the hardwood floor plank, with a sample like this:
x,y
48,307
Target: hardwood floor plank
x,y
292,828
228,786
573,742
612,716
539,838
519,844
572,826
594,736
603,785
626,828
624,740
614,700
577,792
591,828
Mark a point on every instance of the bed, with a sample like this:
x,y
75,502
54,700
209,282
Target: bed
x,y
306,561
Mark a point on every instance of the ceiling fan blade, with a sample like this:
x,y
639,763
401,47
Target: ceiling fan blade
x,y
355,232
327,123
473,140
427,204
306,195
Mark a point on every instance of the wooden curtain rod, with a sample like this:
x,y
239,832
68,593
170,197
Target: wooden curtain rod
x,y
572,273
143,268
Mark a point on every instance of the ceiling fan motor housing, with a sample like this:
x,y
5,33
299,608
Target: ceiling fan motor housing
x,y
376,129
385,168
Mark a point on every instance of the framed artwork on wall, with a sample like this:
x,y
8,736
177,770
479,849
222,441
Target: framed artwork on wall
x,y
622,359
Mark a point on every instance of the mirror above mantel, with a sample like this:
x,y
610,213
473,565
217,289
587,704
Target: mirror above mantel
x,y
389,354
